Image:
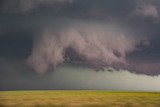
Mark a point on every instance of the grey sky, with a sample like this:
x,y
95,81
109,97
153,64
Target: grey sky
x,y
74,42
67,77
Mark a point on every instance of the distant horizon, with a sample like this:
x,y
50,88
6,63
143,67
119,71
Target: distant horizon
x,y
113,81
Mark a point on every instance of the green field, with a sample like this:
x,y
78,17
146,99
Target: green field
x,y
78,99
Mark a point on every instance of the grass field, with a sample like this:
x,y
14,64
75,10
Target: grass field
x,y
78,99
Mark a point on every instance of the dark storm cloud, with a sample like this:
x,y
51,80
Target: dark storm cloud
x,y
148,8
94,43
22,6
93,33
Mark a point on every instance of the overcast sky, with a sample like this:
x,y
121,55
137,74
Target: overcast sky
x,y
80,44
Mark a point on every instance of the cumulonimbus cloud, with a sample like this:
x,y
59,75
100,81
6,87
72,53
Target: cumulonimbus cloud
x,y
96,43
96,46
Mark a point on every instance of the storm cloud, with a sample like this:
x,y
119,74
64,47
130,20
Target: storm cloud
x,y
21,6
95,34
96,45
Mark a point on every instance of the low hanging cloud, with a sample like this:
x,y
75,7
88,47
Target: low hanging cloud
x,y
148,67
91,33
92,44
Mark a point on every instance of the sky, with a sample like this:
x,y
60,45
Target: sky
x,y
80,44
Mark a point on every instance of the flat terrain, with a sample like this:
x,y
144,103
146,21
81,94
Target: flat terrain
x,y
78,99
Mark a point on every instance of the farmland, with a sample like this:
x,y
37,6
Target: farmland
x,y
71,98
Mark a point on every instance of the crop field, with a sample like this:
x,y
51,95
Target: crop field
x,y
78,99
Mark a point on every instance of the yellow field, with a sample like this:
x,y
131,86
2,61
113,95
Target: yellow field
x,y
78,99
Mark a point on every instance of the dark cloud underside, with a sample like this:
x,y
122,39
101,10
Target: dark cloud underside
x,y
97,34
